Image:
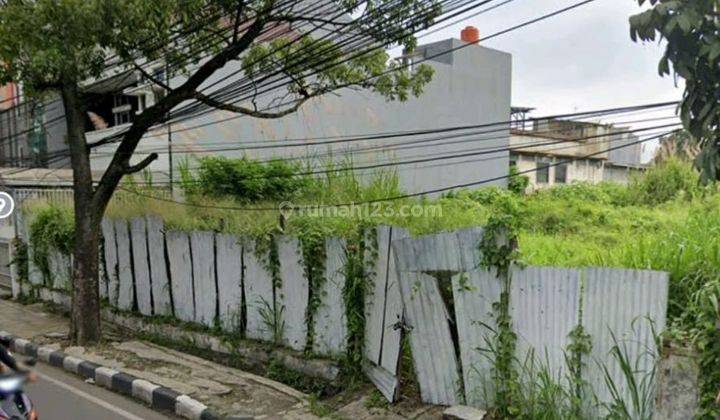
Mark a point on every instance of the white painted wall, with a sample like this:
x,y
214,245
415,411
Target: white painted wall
x,y
471,86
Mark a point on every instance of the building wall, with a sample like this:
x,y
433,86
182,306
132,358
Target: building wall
x,y
628,151
33,134
621,174
55,133
581,170
470,86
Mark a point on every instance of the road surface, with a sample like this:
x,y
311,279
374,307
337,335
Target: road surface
x,y
59,395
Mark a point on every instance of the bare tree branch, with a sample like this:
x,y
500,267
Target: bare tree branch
x,y
142,165
247,111
144,121
152,78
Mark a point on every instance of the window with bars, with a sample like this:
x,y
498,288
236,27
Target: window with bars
x,y
542,169
561,173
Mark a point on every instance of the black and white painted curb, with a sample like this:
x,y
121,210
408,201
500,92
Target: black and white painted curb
x,y
157,397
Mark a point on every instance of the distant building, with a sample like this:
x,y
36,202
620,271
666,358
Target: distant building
x,y
552,152
471,86
32,131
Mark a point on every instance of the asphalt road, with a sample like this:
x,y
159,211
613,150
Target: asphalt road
x,y
59,395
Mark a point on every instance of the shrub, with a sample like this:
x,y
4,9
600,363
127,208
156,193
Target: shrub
x,y
665,182
517,183
52,227
602,193
245,180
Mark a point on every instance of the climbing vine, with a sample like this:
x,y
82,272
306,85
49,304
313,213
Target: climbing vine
x,y
314,258
498,251
576,353
52,227
20,261
266,252
357,284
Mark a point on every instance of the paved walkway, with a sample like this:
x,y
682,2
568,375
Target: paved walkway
x,y
227,391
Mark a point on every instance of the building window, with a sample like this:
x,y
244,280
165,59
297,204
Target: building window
x,y
122,110
543,171
561,173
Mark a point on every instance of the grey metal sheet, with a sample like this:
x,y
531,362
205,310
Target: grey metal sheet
x,y
437,252
202,246
376,265
259,295
110,285
293,293
181,279
141,268
474,294
469,247
158,267
432,346
545,308
125,272
387,383
391,333
60,270
620,302
229,257
35,275
330,320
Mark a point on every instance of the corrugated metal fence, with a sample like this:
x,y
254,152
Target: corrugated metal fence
x,y
614,306
431,287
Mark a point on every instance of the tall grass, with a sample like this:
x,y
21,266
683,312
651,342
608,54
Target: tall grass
x,y
672,226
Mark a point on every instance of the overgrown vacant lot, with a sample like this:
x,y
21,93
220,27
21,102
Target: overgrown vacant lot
x,y
662,221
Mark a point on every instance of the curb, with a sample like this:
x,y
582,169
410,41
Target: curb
x,y
156,396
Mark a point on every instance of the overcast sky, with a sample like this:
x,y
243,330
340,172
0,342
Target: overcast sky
x,y
581,60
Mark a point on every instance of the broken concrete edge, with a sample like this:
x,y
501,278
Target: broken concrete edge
x,y
463,412
319,368
157,397
260,354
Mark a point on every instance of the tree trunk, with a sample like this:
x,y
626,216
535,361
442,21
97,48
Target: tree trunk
x,y
85,317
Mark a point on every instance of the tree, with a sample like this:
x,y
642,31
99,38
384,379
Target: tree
x,y
678,145
58,45
691,29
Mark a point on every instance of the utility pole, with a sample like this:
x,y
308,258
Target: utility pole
x,y
170,156
170,136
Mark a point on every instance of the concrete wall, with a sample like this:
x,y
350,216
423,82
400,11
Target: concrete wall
x,y
628,151
622,174
55,134
471,86
581,170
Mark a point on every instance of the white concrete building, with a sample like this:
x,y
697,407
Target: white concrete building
x,y
471,86
555,152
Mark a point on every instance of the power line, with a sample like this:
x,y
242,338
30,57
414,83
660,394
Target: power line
x,y
404,196
435,158
184,110
401,145
307,141
426,58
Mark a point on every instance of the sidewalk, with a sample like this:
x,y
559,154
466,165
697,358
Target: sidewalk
x,y
227,391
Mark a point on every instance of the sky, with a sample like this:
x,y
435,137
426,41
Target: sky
x,y
581,60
